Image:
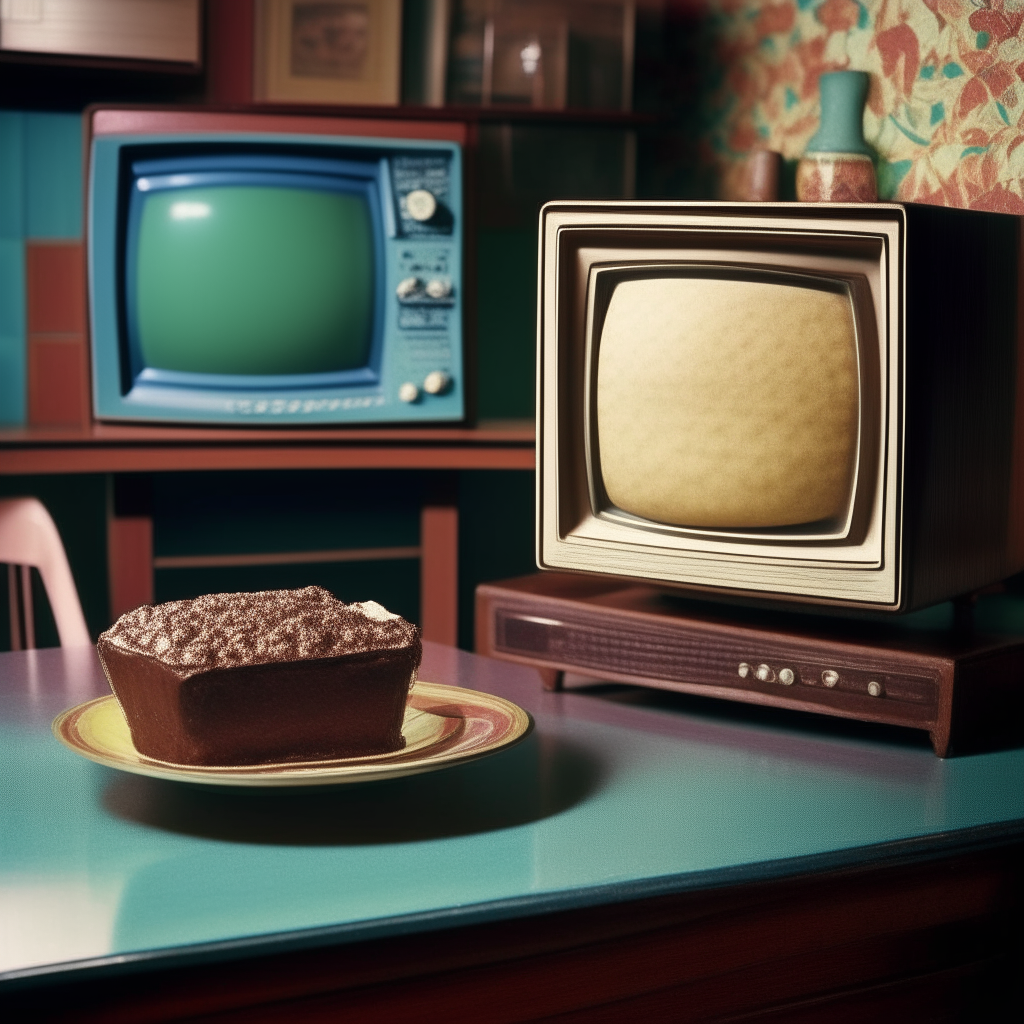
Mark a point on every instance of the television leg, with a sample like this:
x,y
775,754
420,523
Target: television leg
x,y
439,561
129,543
551,678
963,614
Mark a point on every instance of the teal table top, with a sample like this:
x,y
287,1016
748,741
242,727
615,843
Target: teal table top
x,y
616,794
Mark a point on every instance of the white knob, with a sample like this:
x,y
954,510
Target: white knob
x,y
408,392
436,381
421,204
408,287
438,288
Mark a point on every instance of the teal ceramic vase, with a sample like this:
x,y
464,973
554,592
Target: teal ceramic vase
x,y
837,166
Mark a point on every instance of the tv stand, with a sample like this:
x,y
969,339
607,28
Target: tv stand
x,y
965,690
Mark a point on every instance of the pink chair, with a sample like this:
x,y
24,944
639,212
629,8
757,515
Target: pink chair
x,y
28,537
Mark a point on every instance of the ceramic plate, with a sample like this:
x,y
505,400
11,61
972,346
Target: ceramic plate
x,y
444,726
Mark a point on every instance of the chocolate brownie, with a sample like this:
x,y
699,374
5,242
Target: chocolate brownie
x,y
278,675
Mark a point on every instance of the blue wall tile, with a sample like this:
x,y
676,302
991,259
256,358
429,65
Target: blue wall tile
x,y
12,286
12,268
12,381
53,175
12,331
12,174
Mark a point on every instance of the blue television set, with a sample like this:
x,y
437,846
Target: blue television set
x,y
273,269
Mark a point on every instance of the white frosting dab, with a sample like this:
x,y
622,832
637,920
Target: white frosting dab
x,y
374,611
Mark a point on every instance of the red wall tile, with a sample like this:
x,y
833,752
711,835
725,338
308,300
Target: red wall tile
x,y
55,281
58,389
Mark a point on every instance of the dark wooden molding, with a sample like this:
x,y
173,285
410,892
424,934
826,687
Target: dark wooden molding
x,y
112,448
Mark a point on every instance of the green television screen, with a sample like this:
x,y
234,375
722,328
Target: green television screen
x,y
254,280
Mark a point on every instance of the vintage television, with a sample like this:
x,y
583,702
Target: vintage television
x,y
270,269
795,403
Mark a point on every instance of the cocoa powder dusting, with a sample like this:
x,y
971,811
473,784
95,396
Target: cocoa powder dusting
x,y
231,630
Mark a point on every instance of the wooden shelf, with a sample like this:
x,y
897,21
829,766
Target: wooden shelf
x,y
115,448
502,113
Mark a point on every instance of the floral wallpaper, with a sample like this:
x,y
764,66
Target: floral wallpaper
x,y
945,110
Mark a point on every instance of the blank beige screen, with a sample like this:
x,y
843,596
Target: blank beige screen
x,y
727,403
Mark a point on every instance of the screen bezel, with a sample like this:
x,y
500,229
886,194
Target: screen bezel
x,y
242,167
829,240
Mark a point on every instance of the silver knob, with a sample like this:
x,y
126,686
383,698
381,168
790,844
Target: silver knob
x,y
408,287
436,382
743,670
765,674
830,677
438,288
408,392
787,676
420,204
875,688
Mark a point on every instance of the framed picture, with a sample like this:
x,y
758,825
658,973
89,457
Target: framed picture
x,y
328,51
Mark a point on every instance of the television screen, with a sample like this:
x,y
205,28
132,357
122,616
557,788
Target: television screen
x,y
751,421
256,264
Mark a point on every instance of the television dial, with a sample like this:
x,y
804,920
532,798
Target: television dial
x,y
408,392
436,382
438,288
420,204
408,287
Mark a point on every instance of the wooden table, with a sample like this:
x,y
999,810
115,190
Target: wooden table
x,y
640,856
123,449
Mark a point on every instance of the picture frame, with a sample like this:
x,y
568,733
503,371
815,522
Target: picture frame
x,y
425,28
328,51
104,32
545,54
526,58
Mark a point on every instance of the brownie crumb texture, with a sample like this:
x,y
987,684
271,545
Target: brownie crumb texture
x,y
220,631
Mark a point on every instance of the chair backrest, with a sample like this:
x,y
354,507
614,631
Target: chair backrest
x,y
28,537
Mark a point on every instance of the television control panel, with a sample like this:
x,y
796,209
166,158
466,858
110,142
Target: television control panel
x,y
423,187
391,293
427,292
694,659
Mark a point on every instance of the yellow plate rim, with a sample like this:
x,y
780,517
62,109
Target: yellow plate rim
x,y
514,724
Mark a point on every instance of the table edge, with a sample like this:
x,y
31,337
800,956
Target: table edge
x,y
917,849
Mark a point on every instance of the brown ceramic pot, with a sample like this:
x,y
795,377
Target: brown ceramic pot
x,y
836,178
